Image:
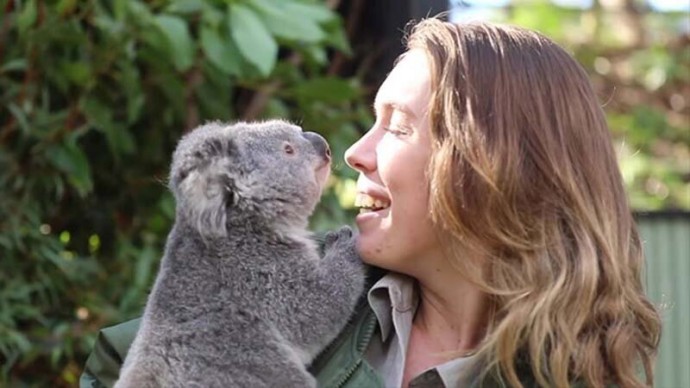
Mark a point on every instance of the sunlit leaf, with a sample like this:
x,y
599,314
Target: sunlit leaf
x,y
285,23
252,38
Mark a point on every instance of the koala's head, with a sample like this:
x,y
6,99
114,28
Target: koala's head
x,y
268,171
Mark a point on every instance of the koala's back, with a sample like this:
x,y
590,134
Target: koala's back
x,y
210,312
212,352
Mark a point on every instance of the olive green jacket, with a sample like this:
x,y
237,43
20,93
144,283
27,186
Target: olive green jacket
x,y
341,364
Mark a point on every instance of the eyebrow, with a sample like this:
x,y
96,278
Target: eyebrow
x,y
395,106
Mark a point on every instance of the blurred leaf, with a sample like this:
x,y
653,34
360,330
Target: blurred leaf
x,y
137,9
71,160
543,17
185,6
180,43
220,50
314,11
327,89
65,7
285,23
77,72
212,17
27,16
20,116
13,65
252,38
336,36
146,260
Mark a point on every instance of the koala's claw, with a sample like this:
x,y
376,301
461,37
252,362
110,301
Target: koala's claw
x,y
343,234
341,246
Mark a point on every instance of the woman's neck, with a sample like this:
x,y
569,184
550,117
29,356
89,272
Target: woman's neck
x,y
454,314
450,322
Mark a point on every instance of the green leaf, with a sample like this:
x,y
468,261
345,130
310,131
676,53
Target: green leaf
x,y
15,64
66,6
327,90
19,340
287,24
20,116
212,17
135,106
180,44
221,52
122,7
138,10
317,54
185,6
78,73
336,36
252,38
144,266
71,160
119,140
27,17
95,111
100,117
316,12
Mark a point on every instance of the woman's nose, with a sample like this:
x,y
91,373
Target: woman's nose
x,y
361,156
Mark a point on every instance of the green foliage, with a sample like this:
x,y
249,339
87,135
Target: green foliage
x,y
93,97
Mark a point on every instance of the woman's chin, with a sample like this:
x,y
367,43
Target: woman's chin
x,y
369,248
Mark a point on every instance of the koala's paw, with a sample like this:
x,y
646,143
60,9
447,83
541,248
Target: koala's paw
x,y
342,243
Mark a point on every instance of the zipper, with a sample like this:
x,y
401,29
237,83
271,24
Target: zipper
x,y
367,333
348,374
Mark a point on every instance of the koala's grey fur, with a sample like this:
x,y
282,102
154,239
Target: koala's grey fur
x,y
242,298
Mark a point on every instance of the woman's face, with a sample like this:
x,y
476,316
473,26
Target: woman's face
x,y
394,221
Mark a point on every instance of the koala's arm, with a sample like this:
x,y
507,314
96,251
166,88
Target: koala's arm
x,y
327,295
341,271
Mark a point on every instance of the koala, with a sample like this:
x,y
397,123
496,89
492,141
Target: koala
x,y
243,297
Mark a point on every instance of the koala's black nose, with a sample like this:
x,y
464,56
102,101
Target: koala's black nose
x,y
319,143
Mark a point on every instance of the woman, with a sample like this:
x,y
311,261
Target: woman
x,y
499,193
490,190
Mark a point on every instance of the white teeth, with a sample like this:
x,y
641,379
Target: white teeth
x,y
368,202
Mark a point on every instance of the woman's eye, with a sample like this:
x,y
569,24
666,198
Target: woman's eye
x,y
395,130
288,149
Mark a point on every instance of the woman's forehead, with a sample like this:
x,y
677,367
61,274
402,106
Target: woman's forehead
x,y
408,86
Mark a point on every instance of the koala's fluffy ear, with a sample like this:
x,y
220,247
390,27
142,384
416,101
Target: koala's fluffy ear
x,y
207,198
208,190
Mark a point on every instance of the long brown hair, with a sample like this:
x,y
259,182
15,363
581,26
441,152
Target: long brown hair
x,y
523,171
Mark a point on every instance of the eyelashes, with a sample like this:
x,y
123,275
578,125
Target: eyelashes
x,y
396,130
396,122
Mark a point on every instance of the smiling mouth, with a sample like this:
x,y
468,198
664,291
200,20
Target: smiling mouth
x,y
367,203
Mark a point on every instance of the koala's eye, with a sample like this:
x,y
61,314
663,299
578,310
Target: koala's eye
x,y
287,147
